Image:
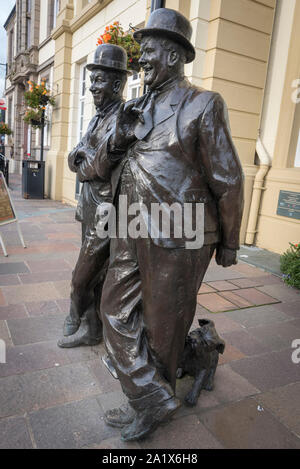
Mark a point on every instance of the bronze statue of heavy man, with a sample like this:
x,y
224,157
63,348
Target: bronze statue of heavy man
x,y
174,146
83,325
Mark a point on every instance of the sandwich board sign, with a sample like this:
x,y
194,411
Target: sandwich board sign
x,y
7,211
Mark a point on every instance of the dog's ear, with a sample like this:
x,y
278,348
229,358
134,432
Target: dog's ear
x,y
203,322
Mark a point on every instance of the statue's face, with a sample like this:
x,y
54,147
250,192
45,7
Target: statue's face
x,y
102,87
154,60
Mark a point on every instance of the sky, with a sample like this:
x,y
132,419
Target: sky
x,y
5,8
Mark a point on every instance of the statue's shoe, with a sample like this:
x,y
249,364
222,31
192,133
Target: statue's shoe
x,y
78,339
120,417
70,326
146,421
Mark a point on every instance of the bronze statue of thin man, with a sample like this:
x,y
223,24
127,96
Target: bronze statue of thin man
x,y
83,325
174,146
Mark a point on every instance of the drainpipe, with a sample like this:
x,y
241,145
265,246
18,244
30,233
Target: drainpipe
x,y
258,187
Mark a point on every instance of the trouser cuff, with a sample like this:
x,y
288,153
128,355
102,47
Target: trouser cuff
x,y
153,399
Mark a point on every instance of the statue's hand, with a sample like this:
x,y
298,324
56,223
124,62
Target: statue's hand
x,y
73,159
125,124
79,157
225,256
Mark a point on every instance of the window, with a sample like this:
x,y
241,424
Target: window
x,y
11,46
28,23
134,86
18,20
9,109
53,10
82,92
56,8
81,105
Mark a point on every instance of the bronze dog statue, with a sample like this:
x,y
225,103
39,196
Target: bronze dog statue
x,y
200,359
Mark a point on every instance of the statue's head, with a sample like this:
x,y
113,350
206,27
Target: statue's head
x,y
109,73
165,46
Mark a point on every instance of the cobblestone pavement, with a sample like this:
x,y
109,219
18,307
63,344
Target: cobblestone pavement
x,y
55,398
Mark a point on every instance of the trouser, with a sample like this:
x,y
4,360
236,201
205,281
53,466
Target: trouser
x,y
88,277
148,305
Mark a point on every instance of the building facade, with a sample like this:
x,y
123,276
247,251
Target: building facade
x,y
29,57
247,50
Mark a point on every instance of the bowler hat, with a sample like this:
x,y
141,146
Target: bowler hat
x,y
172,24
109,56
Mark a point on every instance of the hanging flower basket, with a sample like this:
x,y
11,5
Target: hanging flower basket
x,y
114,34
4,129
33,117
36,99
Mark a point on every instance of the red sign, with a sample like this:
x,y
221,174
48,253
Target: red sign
x,y
2,104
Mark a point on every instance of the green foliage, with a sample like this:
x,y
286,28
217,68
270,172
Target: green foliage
x,y
114,34
36,99
290,265
4,129
33,117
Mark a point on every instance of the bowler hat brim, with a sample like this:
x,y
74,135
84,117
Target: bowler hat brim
x,y
190,50
93,66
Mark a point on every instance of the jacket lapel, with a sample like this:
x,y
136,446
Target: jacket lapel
x,y
163,110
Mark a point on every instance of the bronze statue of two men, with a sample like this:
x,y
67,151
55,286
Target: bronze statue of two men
x,y
171,146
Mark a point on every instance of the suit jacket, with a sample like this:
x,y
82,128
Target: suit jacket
x,y
96,187
188,156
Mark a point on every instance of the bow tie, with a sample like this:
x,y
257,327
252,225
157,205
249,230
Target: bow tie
x,y
142,129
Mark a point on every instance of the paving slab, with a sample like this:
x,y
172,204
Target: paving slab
x,y
236,299
256,297
251,317
222,285
249,271
284,403
13,311
231,386
268,371
63,288
291,308
107,382
216,273
222,322
48,265
5,333
13,268
36,329
192,434
32,357
14,434
46,388
240,425
25,294
215,302
9,279
230,354
42,308
245,342
40,277
70,426
278,336
281,292
205,288
3,301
